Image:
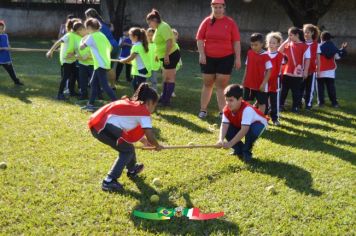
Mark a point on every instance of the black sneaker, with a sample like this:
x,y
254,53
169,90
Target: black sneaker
x,y
295,110
19,83
112,186
336,105
61,97
247,157
239,155
137,169
308,108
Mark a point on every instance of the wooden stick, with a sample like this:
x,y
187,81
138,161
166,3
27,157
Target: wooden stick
x,y
26,49
181,147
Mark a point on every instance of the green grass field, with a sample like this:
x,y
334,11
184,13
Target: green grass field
x,y
55,167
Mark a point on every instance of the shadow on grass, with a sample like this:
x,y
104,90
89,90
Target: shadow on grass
x,y
173,119
175,225
306,140
295,177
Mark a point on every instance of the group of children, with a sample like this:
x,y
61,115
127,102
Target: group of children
x,y
299,64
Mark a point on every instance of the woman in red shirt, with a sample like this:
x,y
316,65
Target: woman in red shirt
x,y
218,41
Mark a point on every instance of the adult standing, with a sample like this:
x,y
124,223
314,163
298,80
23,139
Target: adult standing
x,y
167,51
105,29
218,41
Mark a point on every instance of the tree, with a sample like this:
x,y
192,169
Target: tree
x,y
115,10
305,11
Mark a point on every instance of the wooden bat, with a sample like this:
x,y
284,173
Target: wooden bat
x,y
26,49
181,147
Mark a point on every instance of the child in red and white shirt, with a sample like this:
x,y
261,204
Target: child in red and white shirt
x,y
296,68
122,123
257,72
240,120
274,40
311,36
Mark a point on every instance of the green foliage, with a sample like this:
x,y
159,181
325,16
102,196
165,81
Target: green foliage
x,y
55,167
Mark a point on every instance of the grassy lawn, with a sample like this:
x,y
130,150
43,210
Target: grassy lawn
x,y
55,167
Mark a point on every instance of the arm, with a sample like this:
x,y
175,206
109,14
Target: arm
x,y
54,47
202,57
152,140
244,76
242,133
128,59
283,46
83,42
306,68
169,45
317,65
237,49
265,80
223,130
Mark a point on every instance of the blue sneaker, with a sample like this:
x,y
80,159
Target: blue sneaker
x,y
61,97
89,107
136,170
112,186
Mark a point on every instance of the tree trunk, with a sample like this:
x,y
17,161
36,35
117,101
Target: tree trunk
x,y
305,11
115,11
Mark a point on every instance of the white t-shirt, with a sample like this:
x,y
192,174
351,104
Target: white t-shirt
x,y
130,122
249,116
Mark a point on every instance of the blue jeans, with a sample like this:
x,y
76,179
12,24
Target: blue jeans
x,y
245,149
100,77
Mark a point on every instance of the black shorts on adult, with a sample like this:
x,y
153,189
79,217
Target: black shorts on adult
x,y
173,60
222,65
251,95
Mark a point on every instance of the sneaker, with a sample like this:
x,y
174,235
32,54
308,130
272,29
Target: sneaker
x,y
174,95
239,155
276,123
112,186
336,105
19,83
89,107
247,157
295,110
321,104
61,97
202,114
308,108
137,169
74,94
66,91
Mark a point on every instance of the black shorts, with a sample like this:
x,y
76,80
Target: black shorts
x,y
173,60
222,65
251,95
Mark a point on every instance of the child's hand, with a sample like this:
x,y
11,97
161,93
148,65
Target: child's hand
x,y
262,87
166,60
227,145
49,54
220,143
238,63
159,148
344,45
202,59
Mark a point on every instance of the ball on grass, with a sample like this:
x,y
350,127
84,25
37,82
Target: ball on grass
x,y
271,189
3,165
157,182
154,198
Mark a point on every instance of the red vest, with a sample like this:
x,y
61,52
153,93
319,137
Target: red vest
x,y
123,107
236,118
299,50
327,63
313,53
256,69
276,70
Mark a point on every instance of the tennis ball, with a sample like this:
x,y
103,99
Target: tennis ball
x,y
3,165
271,189
156,182
191,143
154,198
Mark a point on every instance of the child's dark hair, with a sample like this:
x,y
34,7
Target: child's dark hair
x,y
144,94
70,23
92,23
313,29
233,90
326,36
297,31
256,37
92,13
141,36
78,26
154,15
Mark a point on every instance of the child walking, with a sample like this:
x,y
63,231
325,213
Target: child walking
x,y
257,73
155,63
67,60
326,74
119,125
240,120
5,58
139,57
274,40
100,49
296,68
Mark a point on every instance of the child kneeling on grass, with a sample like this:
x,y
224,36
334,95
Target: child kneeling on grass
x,y
122,123
239,120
